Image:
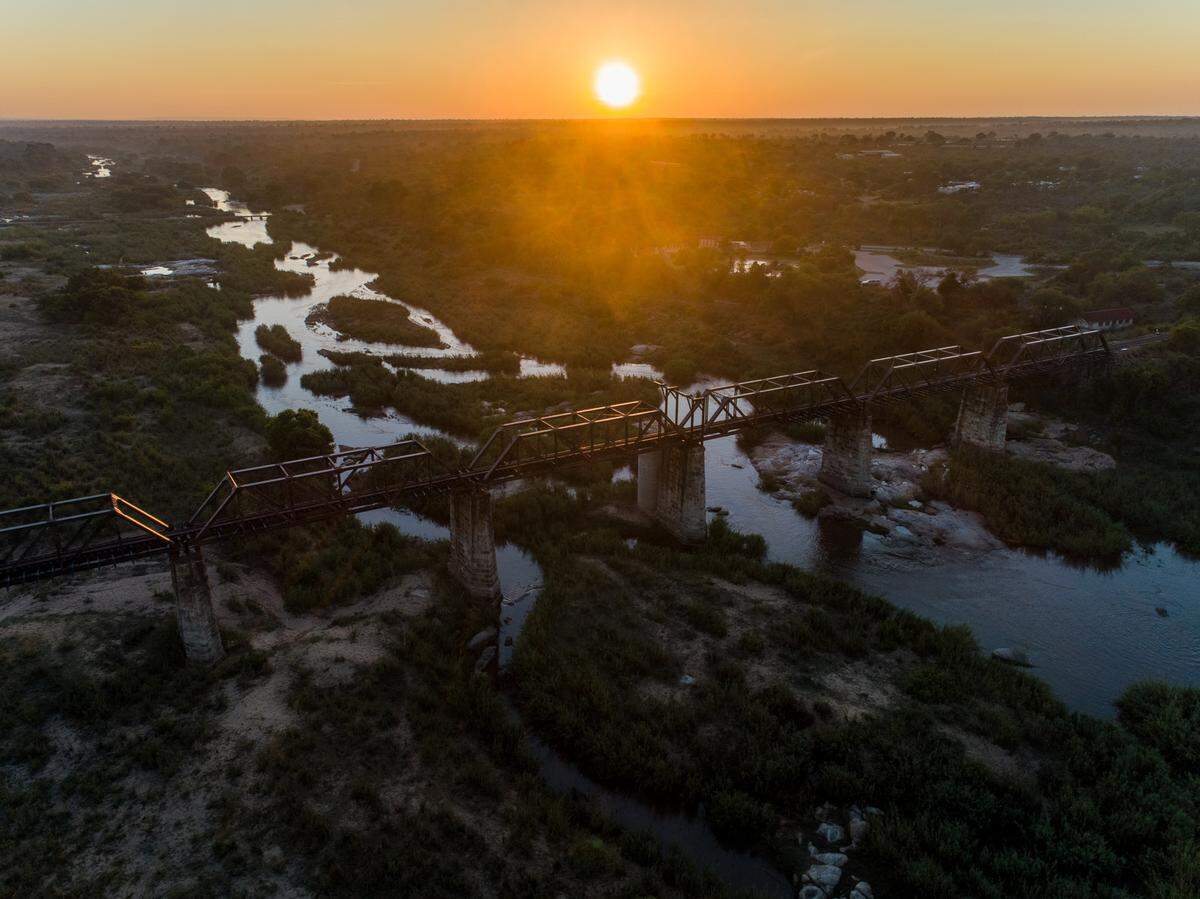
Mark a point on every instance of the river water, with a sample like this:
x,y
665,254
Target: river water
x,y
1090,633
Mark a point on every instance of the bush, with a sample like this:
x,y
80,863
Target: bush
x,y
274,372
1166,718
1029,504
298,434
276,340
811,502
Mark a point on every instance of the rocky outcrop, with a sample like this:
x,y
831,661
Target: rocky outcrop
x,y
826,877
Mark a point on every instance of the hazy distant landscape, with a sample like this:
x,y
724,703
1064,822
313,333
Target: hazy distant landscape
x,y
977,676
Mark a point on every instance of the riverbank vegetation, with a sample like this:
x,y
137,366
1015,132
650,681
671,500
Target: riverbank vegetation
x,y
377,321
151,397
801,691
272,371
1146,413
474,408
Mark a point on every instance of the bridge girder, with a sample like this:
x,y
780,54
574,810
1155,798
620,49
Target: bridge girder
x,y
71,535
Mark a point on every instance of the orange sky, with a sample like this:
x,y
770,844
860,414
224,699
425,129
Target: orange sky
x,y
509,58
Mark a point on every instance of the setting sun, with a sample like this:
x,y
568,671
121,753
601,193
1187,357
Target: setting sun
x,y
617,84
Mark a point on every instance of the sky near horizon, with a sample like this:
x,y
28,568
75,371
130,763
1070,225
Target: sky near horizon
x,y
316,59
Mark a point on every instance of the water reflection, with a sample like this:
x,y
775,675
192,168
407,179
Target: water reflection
x,y
879,266
101,167
250,228
349,428
535,368
623,370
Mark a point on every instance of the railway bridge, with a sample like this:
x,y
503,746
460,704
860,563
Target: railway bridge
x,y
667,442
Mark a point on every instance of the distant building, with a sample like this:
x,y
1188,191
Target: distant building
x,y
1107,319
711,243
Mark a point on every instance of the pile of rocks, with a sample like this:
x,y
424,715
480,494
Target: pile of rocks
x,y
828,856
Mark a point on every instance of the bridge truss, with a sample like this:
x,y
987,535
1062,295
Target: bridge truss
x,y
73,535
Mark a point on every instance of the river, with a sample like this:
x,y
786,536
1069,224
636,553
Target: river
x,y
1090,633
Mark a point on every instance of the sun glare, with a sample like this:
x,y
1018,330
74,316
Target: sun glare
x,y
617,84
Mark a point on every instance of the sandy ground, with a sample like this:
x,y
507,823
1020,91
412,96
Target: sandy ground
x,y
154,828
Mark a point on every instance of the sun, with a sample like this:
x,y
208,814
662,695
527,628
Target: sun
x,y
617,84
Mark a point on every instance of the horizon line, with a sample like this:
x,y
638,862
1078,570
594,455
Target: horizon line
x,y
7,120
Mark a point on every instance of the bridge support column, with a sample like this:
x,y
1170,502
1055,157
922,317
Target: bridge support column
x,y
846,459
983,417
473,543
671,488
648,466
193,601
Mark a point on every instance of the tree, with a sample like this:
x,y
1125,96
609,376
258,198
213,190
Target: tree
x,y
297,434
102,295
1189,301
1051,308
1185,337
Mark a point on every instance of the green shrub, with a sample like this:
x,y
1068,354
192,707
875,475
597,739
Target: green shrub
x,y
276,340
376,321
1166,718
274,372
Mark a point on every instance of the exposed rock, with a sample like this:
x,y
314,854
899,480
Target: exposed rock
x,y
858,830
826,877
862,890
487,635
831,833
811,891
485,659
687,680
837,859
1012,656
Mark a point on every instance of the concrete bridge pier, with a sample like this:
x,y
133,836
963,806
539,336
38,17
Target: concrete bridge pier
x,y
193,601
671,489
983,417
473,543
846,459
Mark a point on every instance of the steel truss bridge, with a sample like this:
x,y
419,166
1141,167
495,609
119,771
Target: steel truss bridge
x,y
59,538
